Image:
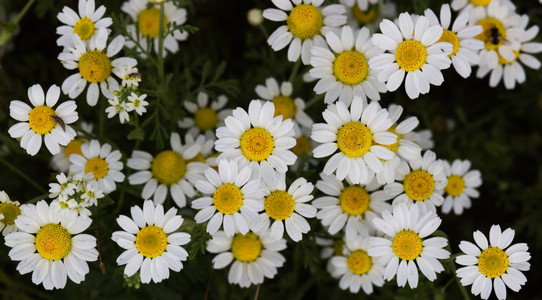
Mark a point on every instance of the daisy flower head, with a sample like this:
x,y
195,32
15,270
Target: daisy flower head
x,y
117,107
95,65
494,264
207,117
137,102
354,133
51,246
255,255
9,211
231,199
405,247
84,24
42,122
169,169
258,139
371,16
61,160
306,24
103,163
343,68
152,242
461,186
412,48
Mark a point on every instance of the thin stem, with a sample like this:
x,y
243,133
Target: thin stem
x,y
264,31
314,100
295,69
22,175
208,285
257,292
161,46
23,12
38,198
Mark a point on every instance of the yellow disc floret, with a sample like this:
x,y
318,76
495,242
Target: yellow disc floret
x,y
97,166
246,247
205,119
350,67
302,146
10,211
354,139
407,245
305,21
359,262
493,262
419,185
494,33
450,37
148,20
151,241
94,66
168,167
41,119
279,205
84,28
256,144
455,186
480,2
368,16
284,106
354,200
411,55
228,198
73,147
53,242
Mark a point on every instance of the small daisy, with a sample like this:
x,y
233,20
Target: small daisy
x,y
371,16
255,256
137,103
354,132
495,264
61,160
153,246
412,49
85,24
257,139
117,106
9,211
74,194
306,24
206,119
231,200
461,186
170,169
406,241
43,120
94,65
103,163
51,246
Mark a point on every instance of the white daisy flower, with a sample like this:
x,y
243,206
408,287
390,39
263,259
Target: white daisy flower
x,y
43,120
117,106
103,163
461,186
51,246
85,24
153,246
65,186
74,194
61,160
356,268
406,246
306,24
231,200
371,16
169,169
137,103
207,117
257,139
412,48
255,256
206,154
9,211
353,132
495,264
95,66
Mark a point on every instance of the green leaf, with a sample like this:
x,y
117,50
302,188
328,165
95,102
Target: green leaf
x,y
136,134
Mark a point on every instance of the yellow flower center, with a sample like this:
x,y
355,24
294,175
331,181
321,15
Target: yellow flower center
x,y
246,247
279,205
338,247
168,167
359,262
40,119
10,211
450,37
455,185
94,66
480,2
256,144
302,146
151,241
368,16
354,139
228,198
149,20
84,28
53,242
350,67
395,146
407,245
305,21
494,33
411,55
97,166
419,185
73,147
205,119
503,61
284,106
198,158
354,200
493,262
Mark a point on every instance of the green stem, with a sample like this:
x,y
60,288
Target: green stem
x,y
38,198
23,12
161,46
101,119
264,31
313,101
22,175
295,69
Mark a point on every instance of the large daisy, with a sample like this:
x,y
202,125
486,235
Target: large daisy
x,y
9,211
461,186
85,24
207,117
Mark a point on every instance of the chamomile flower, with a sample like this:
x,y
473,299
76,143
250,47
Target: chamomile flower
x,y
95,66
103,163
61,160
43,123
306,24
371,16
137,103
343,68
207,117
461,186
85,24
51,246
412,48
153,246
405,247
9,211
257,139
354,132
117,106
493,265
231,200
255,255
72,195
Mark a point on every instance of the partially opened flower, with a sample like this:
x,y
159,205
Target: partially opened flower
x,y
9,211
